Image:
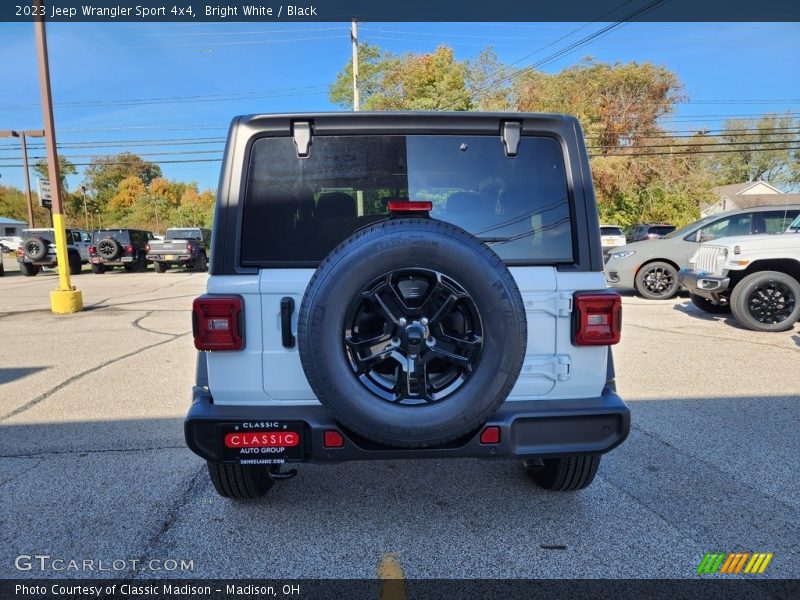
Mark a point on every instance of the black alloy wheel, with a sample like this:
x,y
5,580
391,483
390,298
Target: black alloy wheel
x,y
767,301
413,336
657,281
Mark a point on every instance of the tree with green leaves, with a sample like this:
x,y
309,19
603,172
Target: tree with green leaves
x,y
761,148
104,175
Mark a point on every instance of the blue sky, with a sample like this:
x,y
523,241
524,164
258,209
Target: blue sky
x,y
114,82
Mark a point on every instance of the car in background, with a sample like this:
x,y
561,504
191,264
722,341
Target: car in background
x,y
646,231
38,250
11,243
125,248
651,266
755,277
611,236
186,246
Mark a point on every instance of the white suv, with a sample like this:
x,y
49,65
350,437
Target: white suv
x,y
38,250
756,277
415,285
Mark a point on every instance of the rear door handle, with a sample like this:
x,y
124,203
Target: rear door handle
x,y
287,308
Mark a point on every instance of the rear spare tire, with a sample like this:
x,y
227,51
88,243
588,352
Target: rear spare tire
x,y
412,332
109,248
35,248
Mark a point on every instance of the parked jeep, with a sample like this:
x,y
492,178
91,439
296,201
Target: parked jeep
x,y
38,250
755,277
119,248
188,246
404,286
651,266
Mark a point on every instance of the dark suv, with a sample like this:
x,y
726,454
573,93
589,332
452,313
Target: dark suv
x,y
119,248
645,231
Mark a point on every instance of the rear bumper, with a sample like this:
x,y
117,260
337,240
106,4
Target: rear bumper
x,y
117,262
528,429
710,287
174,258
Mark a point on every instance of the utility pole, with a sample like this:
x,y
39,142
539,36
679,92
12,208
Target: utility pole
x,y
65,298
354,40
85,210
22,135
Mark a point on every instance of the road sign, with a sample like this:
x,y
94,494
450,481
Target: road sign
x,y
45,198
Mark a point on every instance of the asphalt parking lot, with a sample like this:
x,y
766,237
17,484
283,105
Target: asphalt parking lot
x,y
93,464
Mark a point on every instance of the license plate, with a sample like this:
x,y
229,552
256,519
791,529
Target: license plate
x,y
265,443
170,257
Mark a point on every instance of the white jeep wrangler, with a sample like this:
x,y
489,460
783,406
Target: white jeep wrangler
x,y
757,277
415,285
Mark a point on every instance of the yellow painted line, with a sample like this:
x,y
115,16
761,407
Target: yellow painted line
x,y
757,564
390,572
764,564
753,560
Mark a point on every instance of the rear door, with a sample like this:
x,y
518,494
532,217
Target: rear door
x,y
296,210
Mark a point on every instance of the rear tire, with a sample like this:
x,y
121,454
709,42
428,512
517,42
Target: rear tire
x,y
753,306
201,263
159,267
708,306
28,269
75,265
565,474
240,482
657,281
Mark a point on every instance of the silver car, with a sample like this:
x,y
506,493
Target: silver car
x,y
651,266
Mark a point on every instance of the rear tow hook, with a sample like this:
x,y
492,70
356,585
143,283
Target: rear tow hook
x,y
277,475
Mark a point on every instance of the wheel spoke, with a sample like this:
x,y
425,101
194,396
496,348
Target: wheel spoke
x,y
388,302
438,303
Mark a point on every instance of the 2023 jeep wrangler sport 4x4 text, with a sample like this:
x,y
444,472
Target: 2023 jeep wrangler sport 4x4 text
x,y
409,285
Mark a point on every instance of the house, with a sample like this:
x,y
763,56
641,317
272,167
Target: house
x,y
11,227
747,195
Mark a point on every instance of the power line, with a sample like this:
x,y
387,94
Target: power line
x,y
578,44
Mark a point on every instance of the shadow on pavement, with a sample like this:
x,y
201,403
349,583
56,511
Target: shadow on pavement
x,y
7,375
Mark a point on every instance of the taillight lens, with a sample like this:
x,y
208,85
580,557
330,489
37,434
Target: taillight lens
x,y
217,323
597,318
20,251
189,247
91,249
129,249
147,247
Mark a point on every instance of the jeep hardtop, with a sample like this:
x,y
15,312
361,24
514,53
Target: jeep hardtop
x,y
405,285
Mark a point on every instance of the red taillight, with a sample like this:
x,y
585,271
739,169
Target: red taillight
x,y
490,435
217,323
189,247
129,249
410,206
332,439
147,247
20,251
91,249
597,318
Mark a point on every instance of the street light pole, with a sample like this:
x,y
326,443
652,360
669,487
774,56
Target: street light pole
x,y
22,135
64,299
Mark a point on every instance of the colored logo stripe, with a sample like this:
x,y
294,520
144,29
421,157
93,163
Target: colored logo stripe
x,y
734,562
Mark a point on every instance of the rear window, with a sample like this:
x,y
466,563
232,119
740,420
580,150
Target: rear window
x,y
296,210
183,234
661,229
611,231
121,235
